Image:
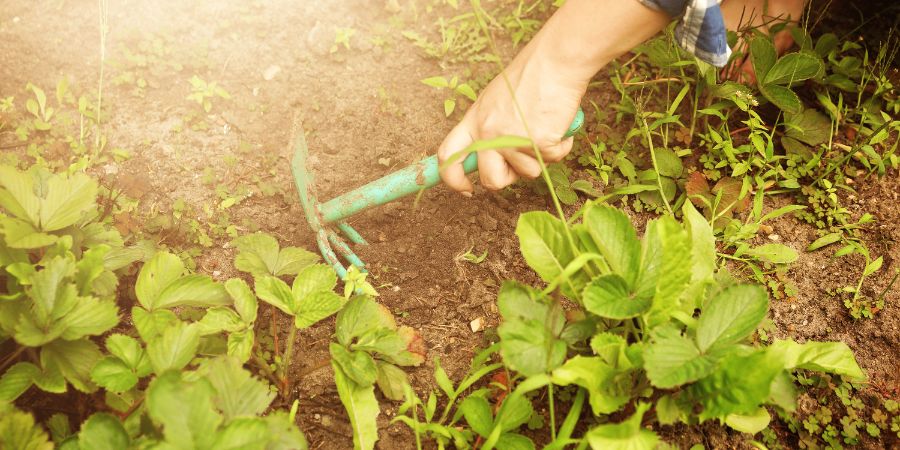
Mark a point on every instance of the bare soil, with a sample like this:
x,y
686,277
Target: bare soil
x,y
366,114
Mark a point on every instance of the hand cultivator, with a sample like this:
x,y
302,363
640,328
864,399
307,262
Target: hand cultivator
x,y
322,216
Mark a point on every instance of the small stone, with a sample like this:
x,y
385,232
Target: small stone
x,y
216,273
317,416
766,229
476,325
386,162
774,237
270,72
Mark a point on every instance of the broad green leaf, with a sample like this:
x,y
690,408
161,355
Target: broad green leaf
x,y
514,441
16,380
175,348
543,244
276,293
873,266
810,127
824,241
793,67
739,385
774,253
731,315
283,432
673,359
356,365
668,162
17,195
240,344
627,435
315,278
52,292
477,412
703,244
361,406
359,316
595,376
219,319
184,410
244,300
103,431
762,56
113,374
242,433
317,306
157,274
20,234
18,431
674,269
74,360
192,290
616,239
68,199
831,357
90,268
89,317
391,380
129,350
749,423
291,260
513,413
238,392
782,97
529,333
608,296
152,324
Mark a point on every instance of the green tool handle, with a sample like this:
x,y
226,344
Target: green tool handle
x,y
409,180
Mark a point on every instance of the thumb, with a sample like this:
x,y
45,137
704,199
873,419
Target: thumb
x,y
453,175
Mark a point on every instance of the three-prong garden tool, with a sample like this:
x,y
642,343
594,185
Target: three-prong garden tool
x,y
323,217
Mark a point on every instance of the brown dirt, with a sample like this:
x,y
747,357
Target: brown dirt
x,y
366,114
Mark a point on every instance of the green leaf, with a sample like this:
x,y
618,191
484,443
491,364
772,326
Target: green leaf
x,y
750,423
477,412
259,255
673,359
514,441
703,244
276,293
313,279
113,375
449,106
162,269
514,412
529,333
217,320
242,433
18,233
762,56
668,162
361,315
240,344
175,348
831,357
391,380
357,365
283,433
436,82
774,253
361,406
244,301
739,385
317,306
152,324
616,239
17,195
672,267
184,410
731,315
291,260
89,317
239,393
467,91
627,435
597,377
18,431
543,244
608,296
68,199
52,292
873,266
16,380
782,97
103,432
74,360
824,241
810,127
192,290
793,67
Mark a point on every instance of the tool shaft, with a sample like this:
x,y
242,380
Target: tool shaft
x,y
409,180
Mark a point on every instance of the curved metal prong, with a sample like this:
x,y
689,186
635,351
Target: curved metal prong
x,y
345,250
351,234
328,253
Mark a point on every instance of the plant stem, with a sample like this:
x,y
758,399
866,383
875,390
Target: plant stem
x,y
662,193
12,358
552,412
323,363
889,286
286,358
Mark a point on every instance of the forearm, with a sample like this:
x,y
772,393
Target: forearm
x,y
584,35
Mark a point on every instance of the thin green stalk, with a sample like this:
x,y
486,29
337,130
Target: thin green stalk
x,y
649,137
286,357
104,29
889,286
552,412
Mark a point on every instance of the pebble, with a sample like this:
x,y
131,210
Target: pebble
x,y
476,325
270,72
774,237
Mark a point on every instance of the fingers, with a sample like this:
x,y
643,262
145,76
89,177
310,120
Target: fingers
x,y
524,164
454,175
557,151
494,171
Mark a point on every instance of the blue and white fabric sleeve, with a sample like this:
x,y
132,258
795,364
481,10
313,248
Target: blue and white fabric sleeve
x,y
701,28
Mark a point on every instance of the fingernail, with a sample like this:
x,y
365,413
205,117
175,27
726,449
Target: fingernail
x,y
466,194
